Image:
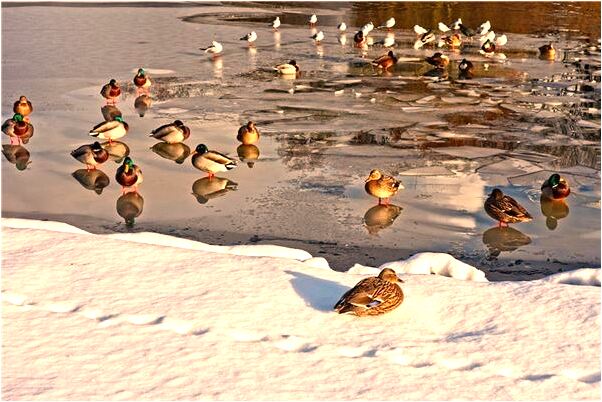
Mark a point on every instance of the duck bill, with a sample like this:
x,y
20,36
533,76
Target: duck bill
x,y
127,168
399,280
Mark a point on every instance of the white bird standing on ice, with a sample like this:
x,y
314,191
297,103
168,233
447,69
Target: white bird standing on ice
x,y
215,48
420,30
276,23
313,19
489,36
366,29
456,24
501,40
318,37
390,23
250,37
443,27
388,41
484,28
342,27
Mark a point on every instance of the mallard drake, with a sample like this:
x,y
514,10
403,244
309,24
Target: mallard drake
x,y
313,20
390,23
129,206
385,62
505,209
128,174
142,104
379,217
248,154
17,155
215,48
142,81
553,210
382,186
207,188
95,180
488,47
453,41
287,68
342,27
555,187
250,37
17,129
171,133
111,91
359,39
466,69
438,60
177,152
372,296
211,162
547,52
276,24
318,37
248,134
91,155
23,107
110,130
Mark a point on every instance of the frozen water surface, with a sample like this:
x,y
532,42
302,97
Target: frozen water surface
x,y
450,140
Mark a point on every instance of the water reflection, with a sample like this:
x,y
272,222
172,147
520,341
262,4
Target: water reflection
x,y
248,154
208,188
498,239
95,179
277,39
109,112
380,217
553,210
342,39
117,150
218,66
129,207
177,152
437,73
18,155
142,104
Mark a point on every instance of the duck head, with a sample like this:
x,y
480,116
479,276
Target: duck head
x,y
496,194
374,175
113,82
18,118
141,72
128,164
389,275
200,149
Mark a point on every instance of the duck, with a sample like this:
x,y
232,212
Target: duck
x,y
420,30
466,69
110,130
443,28
211,162
171,133
382,186
488,36
555,187
389,24
250,37
488,47
287,68
128,174
456,24
23,107
276,24
388,41
385,62
177,152
372,296
91,155
547,52
17,129
248,134
438,60
466,31
366,29
505,209
111,91
359,38
424,39
142,103
342,27
313,20
453,41
17,155
142,81
248,154
318,37
95,180
207,188
129,206
215,48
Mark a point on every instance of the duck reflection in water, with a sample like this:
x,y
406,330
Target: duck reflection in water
x,y
553,210
498,239
95,180
142,104
208,188
129,207
18,155
248,153
109,112
117,150
177,152
380,217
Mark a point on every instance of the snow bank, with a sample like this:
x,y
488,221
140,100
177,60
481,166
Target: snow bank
x,y
584,276
98,317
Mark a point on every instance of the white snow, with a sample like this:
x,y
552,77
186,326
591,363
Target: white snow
x,y
584,276
113,317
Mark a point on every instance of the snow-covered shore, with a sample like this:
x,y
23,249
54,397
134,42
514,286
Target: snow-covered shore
x,y
146,316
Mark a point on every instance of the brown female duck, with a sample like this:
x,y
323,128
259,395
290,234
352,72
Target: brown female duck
x,y
505,209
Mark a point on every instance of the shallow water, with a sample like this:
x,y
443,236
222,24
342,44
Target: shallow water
x,y
450,141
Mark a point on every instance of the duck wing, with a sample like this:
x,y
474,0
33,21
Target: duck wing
x,y
163,130
390,183
219,158
105,126
81,151
509,206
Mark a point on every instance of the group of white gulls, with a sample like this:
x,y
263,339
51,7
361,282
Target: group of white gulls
x,y
487,38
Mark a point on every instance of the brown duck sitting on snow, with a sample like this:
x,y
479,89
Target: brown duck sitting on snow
x,y
505,209
372,296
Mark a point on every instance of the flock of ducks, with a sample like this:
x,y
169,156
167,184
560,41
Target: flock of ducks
x,y
371,296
